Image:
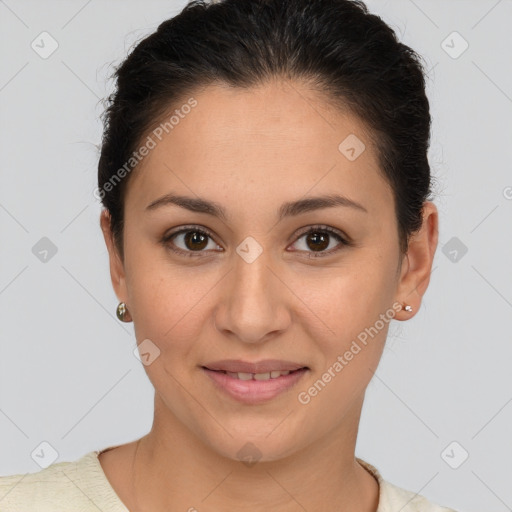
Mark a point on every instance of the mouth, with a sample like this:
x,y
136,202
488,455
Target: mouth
x,y
257,368
274,374
254,383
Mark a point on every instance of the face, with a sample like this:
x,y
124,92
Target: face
x,y
303,286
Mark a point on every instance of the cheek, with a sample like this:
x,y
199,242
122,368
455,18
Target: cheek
x,y
348,298
356,312
168,307
352,312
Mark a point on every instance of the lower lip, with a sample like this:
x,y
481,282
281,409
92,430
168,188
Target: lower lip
x,y
254,391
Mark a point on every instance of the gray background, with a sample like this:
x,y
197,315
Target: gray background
x,y
68,375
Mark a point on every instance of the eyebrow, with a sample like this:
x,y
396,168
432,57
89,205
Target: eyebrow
x,y
288,209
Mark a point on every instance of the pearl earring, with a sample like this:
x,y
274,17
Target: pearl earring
x,y
122,313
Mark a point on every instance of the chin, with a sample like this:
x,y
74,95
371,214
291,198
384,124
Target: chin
x,y
254,447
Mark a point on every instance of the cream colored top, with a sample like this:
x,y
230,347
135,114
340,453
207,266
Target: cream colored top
x,y
82,486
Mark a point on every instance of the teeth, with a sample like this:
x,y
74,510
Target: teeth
x,y
262,376
257,376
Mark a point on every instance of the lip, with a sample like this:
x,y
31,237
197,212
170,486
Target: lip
x,y
253,392
264,366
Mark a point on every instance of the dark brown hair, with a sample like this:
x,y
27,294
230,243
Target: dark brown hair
x,y
352,56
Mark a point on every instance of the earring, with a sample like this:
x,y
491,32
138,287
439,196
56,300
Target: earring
x,y
407,308
122,313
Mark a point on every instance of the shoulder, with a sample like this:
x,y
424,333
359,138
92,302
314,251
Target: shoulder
x,y
392,498
409,501
39,490
78,485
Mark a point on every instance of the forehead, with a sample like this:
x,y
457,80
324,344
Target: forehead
x,y
278,136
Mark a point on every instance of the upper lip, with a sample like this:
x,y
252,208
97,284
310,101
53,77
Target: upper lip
x,y
264,366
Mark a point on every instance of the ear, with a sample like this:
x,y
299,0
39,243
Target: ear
x,y
117,273
417,264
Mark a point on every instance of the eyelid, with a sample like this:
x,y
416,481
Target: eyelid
x,y
191,227
343,239
323,227
184,229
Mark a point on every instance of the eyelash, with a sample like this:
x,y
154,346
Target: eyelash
x,y
314,229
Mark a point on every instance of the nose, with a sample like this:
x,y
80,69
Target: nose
x,y
254,302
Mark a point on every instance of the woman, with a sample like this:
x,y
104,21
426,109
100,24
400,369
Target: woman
x,y
267,213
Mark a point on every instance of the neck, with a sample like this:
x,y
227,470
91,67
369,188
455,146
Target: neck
x,y
322,475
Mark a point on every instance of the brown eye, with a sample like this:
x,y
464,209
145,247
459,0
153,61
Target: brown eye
x,y
192,241
189,241
317,239
195,240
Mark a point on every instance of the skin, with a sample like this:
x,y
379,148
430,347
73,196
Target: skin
x,y
250,151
